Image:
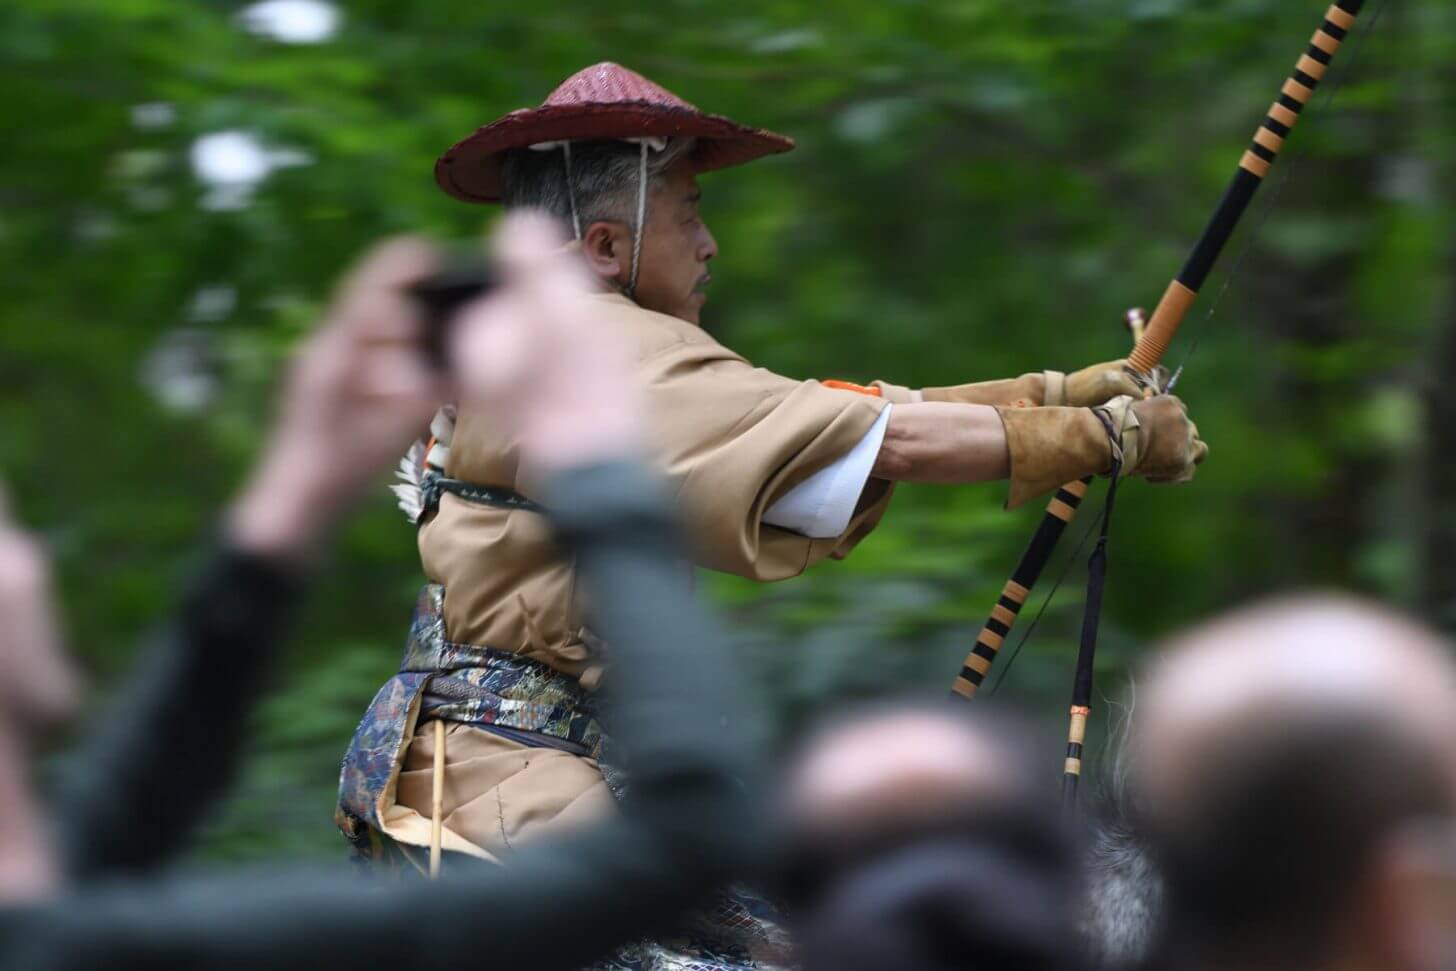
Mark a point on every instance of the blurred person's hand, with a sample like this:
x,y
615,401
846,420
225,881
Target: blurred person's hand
x,y
360,390
37,683
37,686
531,355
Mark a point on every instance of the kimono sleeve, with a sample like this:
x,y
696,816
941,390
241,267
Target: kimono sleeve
x,y
734,439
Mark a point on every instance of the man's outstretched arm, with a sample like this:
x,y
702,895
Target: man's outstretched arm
x,y
941,442
1039,449
960,435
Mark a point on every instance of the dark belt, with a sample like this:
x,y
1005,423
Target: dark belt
x,y
433,486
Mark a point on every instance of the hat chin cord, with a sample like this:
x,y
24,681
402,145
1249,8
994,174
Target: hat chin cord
x,y
641,220
570,192
631,289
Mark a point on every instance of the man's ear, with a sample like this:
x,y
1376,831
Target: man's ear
x,y
608,251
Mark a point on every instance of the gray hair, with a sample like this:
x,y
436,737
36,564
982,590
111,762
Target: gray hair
x,y
603,178
588,181
1124,906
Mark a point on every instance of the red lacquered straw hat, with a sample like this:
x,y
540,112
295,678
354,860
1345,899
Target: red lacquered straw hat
x,y
600,102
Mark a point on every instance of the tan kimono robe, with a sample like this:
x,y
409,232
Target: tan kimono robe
x,y
732,440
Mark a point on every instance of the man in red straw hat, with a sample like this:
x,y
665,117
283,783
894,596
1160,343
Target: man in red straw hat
x,y
770,474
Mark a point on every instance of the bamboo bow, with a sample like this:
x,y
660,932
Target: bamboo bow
x,y
1152,343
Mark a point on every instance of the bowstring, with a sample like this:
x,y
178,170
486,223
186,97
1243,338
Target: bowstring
x,y
1015,651
1319,116
1102,513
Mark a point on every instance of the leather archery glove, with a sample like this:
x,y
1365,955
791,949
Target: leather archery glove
x,y
1094,385
1027,391
1086,388
1050,447
1156,438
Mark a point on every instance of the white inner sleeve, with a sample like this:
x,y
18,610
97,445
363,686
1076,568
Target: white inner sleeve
x,y
821,506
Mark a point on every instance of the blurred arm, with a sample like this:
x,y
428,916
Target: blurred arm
x,y
676,705
687,823
158,757
357,393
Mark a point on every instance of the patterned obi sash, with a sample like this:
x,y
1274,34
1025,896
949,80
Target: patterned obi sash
x,y
464,683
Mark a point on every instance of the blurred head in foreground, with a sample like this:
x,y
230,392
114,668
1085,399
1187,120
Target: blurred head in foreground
x,y
917,838
1298,763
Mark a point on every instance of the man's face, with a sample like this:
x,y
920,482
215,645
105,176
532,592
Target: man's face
x,y
673,277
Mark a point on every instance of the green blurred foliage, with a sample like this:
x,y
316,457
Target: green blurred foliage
x,y
980,189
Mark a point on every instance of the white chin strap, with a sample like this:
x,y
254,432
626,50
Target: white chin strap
x,y
570,192
654,142
641,219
